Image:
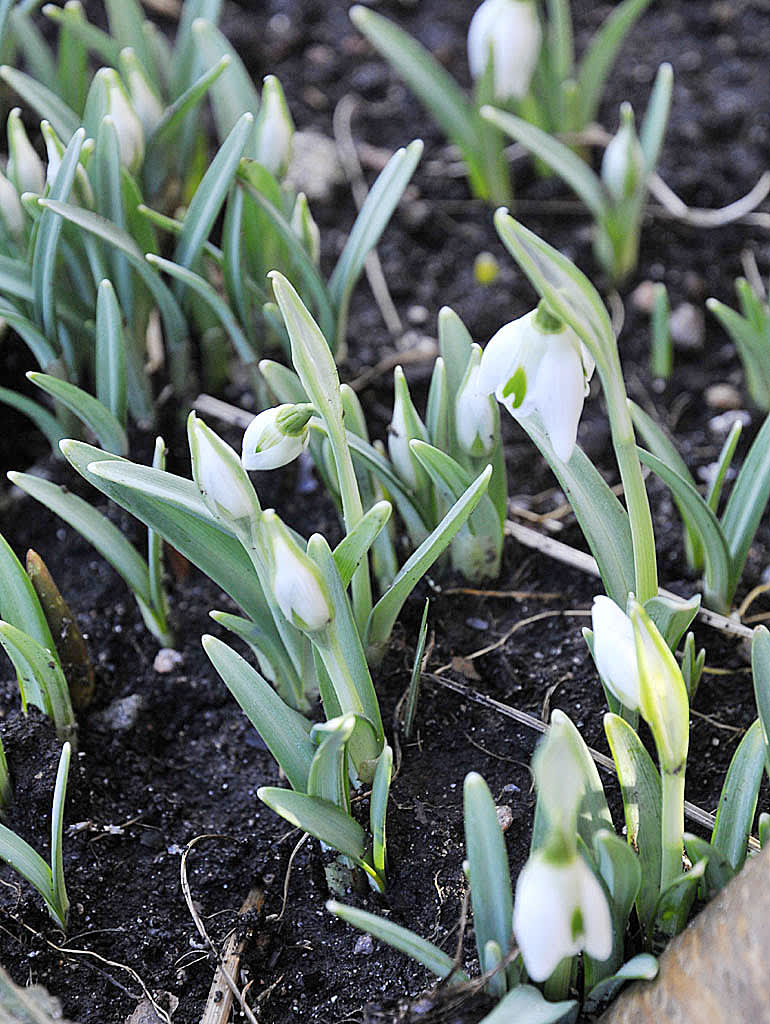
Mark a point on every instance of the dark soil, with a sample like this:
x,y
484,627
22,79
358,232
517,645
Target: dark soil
x,y
190,764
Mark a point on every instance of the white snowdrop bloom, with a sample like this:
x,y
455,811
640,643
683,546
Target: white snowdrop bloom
x,y
559,910
270,440
509,31
615,651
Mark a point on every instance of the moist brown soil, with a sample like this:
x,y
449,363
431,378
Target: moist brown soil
x,y
189,764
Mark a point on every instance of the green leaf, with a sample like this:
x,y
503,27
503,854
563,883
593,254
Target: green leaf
x,y
526,1005
602,518
177,337
386,611
64,121
656,116
41,679
672,616
283,729
378,809
723,465
39,346
355,545
328,779
233,94
760,669
643,967
15,279
601,53
57,832
400,938
747,503
717,588
368,227
640,788
719,870
675,902
738,799
42,418
414,682
618,865
567,291
30,865
751,343
210,194
89,410
126,20
434,87
97,41
174,508
213,300
110,355
48,231
320,818
560,158
19,603
488,871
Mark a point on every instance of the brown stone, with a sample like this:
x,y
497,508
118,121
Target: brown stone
x,y
716,970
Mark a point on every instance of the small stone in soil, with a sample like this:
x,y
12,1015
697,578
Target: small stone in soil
x,y
687,326
167,659
480,624
720,425
504,816
722,396
643,296
364,946
121,715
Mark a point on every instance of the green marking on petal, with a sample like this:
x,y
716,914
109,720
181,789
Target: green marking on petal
x,y
516,386
577,925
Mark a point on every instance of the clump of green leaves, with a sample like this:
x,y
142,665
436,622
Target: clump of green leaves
x,y
749,331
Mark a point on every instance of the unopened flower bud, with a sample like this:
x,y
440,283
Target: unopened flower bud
x,y
298,585
276,436
623,165
508,33
474,412
220,477
405,426
11,210
145,101
305,228
108,97
274,129
25,168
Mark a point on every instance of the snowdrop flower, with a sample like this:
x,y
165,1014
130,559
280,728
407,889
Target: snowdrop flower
x,y
623,163
474,412
538,364
560,909
615,651
11,210
25,168
276,436
298,586
509,32
274,128
217,470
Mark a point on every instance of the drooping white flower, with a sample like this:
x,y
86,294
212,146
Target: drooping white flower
x,y
509,32
560,909
298,586
274,129
276,437
474,412
623,165
217,470
538,364
615,651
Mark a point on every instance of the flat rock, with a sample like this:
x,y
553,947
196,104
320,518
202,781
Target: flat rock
x,y
315,167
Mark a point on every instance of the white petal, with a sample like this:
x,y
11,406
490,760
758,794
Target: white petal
x,y
479,36
218,481
559,393
502,353
615,650
297,591
542,916
265,447
516,48
597,922
474,417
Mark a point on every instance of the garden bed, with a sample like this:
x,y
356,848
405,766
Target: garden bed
x,y
177,760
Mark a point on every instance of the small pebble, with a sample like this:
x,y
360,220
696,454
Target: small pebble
x,y
687,326
121,715
721,425
364,946
504,816
315,166
167,659
723,396
417,315
480,624
643,296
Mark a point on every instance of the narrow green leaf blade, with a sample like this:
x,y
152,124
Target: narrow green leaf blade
x,y
738,799
64,121
110,353
355,545
30,865
19,603
488,873
747,502
378,809
89,410
526,1005
320,818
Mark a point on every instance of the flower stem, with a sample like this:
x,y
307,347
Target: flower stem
x,y
672,827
